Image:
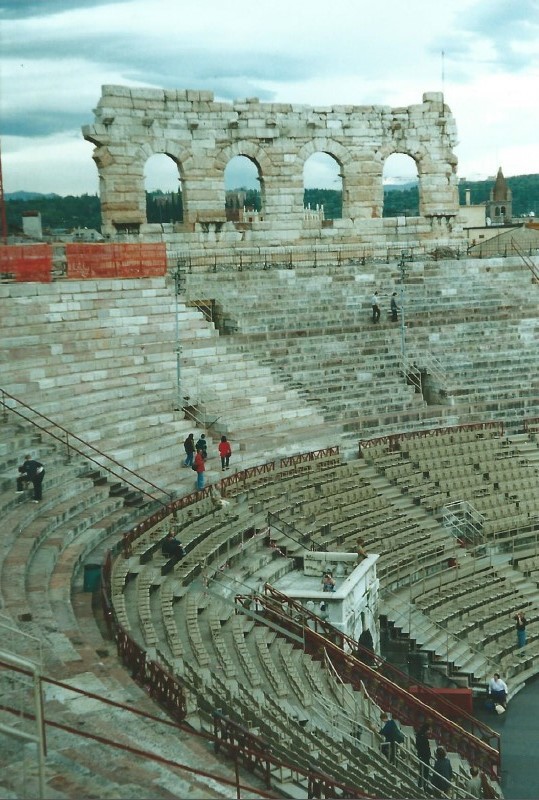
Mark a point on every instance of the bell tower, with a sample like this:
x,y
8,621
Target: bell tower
x,y
499,206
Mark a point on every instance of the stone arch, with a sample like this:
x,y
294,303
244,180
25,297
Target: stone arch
x,y
268,170
132,124
255,153
132,177
162,189
338,152
412,206
322,186
179,156
251,150
425,168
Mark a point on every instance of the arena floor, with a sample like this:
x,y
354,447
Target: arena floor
x,y
519,729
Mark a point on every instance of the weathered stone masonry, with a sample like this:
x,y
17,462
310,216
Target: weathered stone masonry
x,y
202,135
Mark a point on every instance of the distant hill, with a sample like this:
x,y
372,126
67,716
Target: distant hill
x,y
400,186
22,195
400,198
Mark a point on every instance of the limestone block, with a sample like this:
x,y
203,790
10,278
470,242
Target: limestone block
x,y
109,90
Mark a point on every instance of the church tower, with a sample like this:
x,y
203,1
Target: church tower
x,y
499,206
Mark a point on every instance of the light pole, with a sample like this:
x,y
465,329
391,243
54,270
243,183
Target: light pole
x,y
177,287
402,266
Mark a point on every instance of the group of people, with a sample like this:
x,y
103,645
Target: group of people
x,y
393,307
196,454
441,775
435,777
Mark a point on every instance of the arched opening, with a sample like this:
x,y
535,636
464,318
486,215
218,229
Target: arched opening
x,y
244,190
401,186
323,186
162,185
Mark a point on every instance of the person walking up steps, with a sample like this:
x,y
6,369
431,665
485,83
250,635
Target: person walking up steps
x,y
375,307
34,472
394,307
225,451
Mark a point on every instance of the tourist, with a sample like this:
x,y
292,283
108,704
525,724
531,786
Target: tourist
x,y
225,451
34,472
170,546
394,307
497,689
422,748
474,786
360,550
520,624
202,445
328,584
442,772
189,447
392,735
375,307
199,467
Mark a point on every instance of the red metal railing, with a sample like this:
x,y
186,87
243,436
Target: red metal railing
x,y
167,690
387,686
393,440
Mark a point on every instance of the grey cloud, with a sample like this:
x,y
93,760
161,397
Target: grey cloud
x,y
136,58
41,123
500,23
25,9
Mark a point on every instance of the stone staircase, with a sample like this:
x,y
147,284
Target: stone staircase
x,y
51,620
102,362
312,327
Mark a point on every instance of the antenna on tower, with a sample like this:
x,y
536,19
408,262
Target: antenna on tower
x,y
443,72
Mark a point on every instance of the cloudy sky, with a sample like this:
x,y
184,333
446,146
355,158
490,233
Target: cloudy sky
x,y
56,54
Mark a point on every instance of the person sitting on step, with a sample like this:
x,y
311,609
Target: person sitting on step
x,y
328,584
170,546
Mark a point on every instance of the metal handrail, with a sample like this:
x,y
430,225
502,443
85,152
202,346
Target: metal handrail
x,y
391,692
405,611
70,436
528,262
271,523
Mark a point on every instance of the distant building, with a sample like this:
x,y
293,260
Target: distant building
x,y
31,224
86,235
499,207
472,216
482,222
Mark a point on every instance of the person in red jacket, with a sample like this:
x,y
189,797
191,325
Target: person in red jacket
x,y
199,467
225,451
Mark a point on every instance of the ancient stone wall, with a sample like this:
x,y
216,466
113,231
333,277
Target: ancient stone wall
x,y
201,136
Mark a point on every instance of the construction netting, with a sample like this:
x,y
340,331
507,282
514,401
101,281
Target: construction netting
x,y
26,262
115,260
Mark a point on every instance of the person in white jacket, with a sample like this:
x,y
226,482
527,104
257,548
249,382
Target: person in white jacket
x,y
497,689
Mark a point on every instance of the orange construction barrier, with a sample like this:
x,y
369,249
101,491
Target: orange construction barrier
x,y
115,260
26,262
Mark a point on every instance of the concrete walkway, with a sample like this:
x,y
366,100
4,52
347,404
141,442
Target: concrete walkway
x,y
519,730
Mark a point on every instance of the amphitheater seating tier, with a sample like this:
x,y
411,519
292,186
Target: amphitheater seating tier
x,y
102,362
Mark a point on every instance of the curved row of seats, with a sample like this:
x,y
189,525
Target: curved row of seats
x,y
204,636
45,549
